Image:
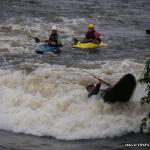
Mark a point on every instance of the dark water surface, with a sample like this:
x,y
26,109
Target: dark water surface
x,y
122,24
26,142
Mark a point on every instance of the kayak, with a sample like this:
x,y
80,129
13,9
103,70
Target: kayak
x,y
89,45
121,91
45,48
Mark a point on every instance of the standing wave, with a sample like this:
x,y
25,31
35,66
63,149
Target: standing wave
x,y
52,101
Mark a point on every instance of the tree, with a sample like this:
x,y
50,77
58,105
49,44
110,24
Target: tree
x,y
145,124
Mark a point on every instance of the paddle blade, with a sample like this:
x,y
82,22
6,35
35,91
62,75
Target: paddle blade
x,y
37,40
147,31
75,40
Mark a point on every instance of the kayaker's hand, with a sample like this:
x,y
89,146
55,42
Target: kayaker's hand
x,y
53,43
90,40
100,81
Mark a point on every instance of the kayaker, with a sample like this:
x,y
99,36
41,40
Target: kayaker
x,y
121,91
94,89
54,38
91,35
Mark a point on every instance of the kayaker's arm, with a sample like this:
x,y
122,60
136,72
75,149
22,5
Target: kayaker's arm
x,y
37,40
93,89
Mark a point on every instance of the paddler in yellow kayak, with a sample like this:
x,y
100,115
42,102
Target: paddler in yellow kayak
x,y
90,36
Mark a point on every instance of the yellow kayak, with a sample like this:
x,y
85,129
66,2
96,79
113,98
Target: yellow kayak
x,y
89,45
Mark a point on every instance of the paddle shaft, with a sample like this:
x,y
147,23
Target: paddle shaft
x,y
97,78
37,40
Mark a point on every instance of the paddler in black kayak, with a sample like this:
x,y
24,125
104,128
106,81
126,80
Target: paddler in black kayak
x,y
92,35
54,38
121,91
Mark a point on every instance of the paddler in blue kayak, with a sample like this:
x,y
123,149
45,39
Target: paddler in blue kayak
x,y
54,38
92,35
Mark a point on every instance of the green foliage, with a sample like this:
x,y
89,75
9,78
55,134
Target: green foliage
x,y
145,126
146,99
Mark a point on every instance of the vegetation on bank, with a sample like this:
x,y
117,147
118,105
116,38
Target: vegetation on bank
x,y
145,124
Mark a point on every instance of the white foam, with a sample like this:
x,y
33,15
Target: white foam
x,y
52,101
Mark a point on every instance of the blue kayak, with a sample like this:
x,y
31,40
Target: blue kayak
x,y
45,48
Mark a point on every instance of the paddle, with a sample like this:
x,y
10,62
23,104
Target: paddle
x,y
97,78
37,40
75,40
147,31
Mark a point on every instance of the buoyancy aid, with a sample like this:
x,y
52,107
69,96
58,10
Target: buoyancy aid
x,y
92,35
53,38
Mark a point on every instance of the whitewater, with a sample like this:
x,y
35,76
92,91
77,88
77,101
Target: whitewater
x,y
52,100
45,95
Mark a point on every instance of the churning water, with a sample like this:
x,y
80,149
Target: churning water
x,y
46,95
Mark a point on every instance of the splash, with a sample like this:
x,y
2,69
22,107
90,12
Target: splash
x,y
51,100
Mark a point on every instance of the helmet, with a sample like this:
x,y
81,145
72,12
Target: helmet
x,y
91,26
54,28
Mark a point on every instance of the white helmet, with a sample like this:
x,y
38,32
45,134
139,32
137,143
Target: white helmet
x,y
54,28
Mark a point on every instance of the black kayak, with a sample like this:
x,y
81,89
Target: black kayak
x,y
121,91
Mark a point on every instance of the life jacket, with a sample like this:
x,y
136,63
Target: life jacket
x,y
92,35
53,38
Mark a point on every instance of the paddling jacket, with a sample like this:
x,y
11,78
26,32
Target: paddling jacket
x,y
53,38
92,35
